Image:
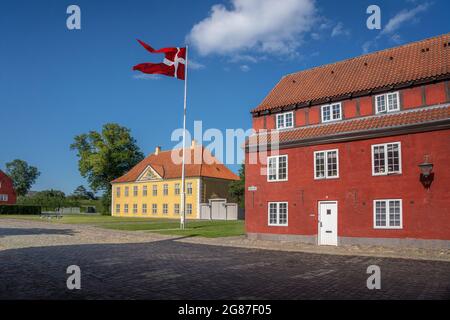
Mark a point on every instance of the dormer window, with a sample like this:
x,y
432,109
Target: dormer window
x,y
332,112
388,102
285,120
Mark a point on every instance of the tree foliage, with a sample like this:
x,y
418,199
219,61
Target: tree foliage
x,y
105,156
81,193
22,174
48,200
237,188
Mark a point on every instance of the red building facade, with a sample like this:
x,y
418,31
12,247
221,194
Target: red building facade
x,y
363,152
7,193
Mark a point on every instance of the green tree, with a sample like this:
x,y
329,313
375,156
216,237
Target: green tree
x,y
81,193
23,175
105,156
237,188
48,200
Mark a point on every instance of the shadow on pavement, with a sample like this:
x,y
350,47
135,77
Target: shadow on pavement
x,y
5,232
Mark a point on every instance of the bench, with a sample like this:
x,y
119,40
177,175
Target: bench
x,y
51,215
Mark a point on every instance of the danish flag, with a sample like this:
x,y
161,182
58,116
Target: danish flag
x,y
173,64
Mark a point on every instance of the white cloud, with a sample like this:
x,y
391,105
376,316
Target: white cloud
x,y
402,17
339,30
144,76
245,58
194,65
245,68
366,46
269,26
394,24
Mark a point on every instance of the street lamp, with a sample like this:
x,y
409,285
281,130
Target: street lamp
x,y
426,174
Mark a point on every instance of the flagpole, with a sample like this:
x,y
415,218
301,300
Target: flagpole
x,y
183,190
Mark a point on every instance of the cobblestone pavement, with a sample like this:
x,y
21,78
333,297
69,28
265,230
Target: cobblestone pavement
x,y
125,265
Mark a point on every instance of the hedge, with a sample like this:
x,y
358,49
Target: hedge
x,y
20,209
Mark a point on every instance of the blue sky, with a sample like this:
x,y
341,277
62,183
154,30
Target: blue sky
x,y
56,83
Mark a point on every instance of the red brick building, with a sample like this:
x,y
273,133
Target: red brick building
x,y
364,152
7,193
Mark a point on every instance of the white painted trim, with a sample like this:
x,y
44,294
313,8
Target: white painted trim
x,y
277,166
386,101
326,177
331,112
284,120
388,224
149,167
385,173
278,212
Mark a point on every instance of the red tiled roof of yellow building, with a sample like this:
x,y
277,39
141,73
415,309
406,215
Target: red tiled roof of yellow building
x,y
163,164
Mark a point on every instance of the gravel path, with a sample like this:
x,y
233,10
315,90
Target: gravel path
x,y
16,233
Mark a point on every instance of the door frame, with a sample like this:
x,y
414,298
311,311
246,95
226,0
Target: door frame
x,y
319,216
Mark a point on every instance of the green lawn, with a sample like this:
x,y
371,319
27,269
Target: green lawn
x,y
200,228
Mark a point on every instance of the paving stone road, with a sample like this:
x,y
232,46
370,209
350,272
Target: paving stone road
x,y
158,267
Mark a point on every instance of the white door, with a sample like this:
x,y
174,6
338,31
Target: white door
x,y
328,223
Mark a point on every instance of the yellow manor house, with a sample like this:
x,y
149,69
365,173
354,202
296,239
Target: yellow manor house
x,y
153,187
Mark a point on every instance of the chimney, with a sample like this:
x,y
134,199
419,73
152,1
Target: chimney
x,y
193,144
157,150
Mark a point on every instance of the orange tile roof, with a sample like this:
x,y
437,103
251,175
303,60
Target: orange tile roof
x,y
162,163
417,61
356,125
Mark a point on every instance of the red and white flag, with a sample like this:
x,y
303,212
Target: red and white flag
x,y
173,65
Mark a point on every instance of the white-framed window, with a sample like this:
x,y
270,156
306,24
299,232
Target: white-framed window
x,y
3,197
189,188
176,208
154,208
177,189
135,208
387,214
277,213
125,208
135,191
118,192
154,190
387,102
386,158
144,208
277,168
144,191
189,208
165,189
326,164
127,190
117,208
165,208
285,120
331,112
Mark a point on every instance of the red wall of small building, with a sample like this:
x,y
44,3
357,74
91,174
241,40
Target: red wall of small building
x,y
6,187
426,214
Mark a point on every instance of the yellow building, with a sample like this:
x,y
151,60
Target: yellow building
x,y
153,187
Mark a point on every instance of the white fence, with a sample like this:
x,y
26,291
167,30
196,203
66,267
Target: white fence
x,y
219,209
